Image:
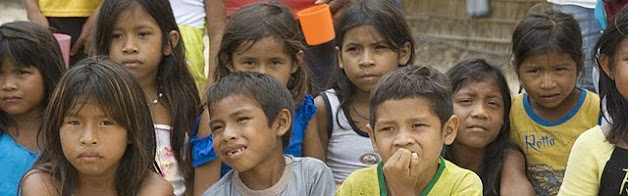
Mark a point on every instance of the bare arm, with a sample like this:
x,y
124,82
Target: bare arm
x,y
321,123
513,177
156,185
85,39
38,183
216,20
209,173
312,146
34,14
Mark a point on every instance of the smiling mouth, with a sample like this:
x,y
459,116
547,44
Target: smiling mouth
x,y
234,153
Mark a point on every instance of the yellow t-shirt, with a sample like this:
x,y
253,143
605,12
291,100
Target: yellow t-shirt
x,y
68,8
449,180
545,144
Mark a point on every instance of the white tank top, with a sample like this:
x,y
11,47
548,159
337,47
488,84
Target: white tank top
x,y
166,160
348,148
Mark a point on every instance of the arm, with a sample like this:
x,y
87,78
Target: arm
x,y
216,20
208,173
323,180
156,185
38,183
513,176
583,172
321,123
312,146
85,39
34,14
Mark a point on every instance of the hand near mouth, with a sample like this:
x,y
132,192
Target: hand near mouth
x,y
402,172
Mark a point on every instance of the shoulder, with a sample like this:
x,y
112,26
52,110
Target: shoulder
x,y
223,186
461,179
38,182
154,184
311,167
592,140
361,182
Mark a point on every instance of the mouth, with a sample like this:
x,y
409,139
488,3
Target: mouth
x,y
550,97
131,63
10,98
477,128
89,156
370,77
234,152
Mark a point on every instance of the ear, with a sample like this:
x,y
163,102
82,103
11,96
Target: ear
x,y
173,40
404,53
339,57
300,57
283,121
450,130
603,60
369,130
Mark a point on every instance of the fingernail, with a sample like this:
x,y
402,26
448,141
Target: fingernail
x,y
415,156
318,1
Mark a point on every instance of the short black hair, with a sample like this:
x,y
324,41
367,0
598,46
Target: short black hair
x,y
271,95
414,82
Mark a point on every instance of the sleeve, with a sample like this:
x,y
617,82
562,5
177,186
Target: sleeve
x,y
202,148
323,180
470,185
346,187
581,175
308,107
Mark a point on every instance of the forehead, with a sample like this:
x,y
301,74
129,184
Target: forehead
x,y
551,58
135,16
232,103
404,109
486,86
362,34
266,46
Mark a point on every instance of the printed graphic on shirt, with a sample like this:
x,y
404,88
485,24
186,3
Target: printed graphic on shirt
x,y
545,179
369,159
614,179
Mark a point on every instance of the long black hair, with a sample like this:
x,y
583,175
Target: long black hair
x,y
473,71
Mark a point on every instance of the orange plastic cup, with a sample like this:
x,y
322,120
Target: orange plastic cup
x,y
64,43
317,24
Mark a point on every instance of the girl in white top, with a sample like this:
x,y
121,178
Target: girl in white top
x,y
142,35
372,39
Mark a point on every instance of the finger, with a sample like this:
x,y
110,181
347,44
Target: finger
x,y
414,164
404,159
392,161
317,2
334,5
76,46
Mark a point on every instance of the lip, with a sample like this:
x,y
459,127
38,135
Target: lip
x,y
370,77
89,156
549,97
10,98
233,151
131,63
477,127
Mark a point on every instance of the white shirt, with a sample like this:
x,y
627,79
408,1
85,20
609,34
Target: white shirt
x,y
189,12
582,3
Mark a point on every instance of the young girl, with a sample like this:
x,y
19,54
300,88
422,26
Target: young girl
x,y
271,46
143,36
552,113
372,39
598,160
30,66
98,137
481,100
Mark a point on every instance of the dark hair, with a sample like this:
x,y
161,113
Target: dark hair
x,y
180,93
389,22
414,82
121,98
472,71
271,95
547,31
616,104
256,21
31,45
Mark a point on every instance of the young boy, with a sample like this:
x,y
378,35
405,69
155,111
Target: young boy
x,y
251,115
411,118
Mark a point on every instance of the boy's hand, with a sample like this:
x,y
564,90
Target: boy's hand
x,y
402,172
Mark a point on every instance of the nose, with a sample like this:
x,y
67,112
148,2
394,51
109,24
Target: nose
x,y
479,111
404,138
89,136
547,81
7,83
366,59
229,135
130,45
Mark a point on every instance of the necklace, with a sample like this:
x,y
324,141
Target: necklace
x,y
358,113
156,101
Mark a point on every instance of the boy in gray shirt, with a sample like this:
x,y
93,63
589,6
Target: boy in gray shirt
x,y
251,117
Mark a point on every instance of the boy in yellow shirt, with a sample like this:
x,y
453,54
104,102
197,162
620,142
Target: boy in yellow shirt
x,y
411,118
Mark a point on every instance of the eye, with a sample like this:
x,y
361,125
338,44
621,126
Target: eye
x,y
465,101
107,122
72,122
351,49
143,34
381,47
249,62
532,71
386,129
417,125
561,69
216,128
242,119
23,72
117,35
276,62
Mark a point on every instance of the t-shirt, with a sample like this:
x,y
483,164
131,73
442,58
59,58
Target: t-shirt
x,y
595,166
448,180
301,176
189,12
68,8
546,144
15,160
294,5
582,3
166,161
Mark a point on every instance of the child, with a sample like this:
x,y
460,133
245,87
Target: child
x,y
98,137
373,39
142,35
411,118
272,46
481,100
30,66
552,113
250,127
598,160
190,16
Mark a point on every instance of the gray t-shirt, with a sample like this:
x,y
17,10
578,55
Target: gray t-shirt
x,y
301,176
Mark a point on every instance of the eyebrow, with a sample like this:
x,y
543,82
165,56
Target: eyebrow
x,y
236,113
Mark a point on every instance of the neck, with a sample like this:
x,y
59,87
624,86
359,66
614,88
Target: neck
x,y
27,123
421,184
267,173
360,97
97,185
469,158
150,87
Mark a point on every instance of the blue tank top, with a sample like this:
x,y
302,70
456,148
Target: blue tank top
x,y
16,160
